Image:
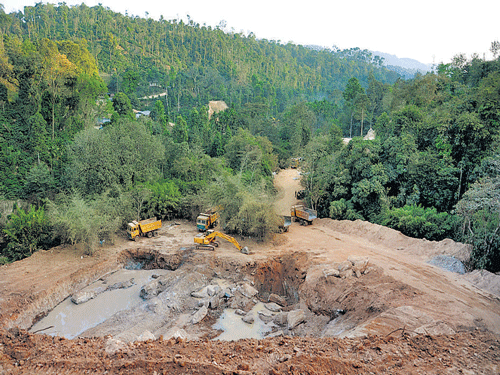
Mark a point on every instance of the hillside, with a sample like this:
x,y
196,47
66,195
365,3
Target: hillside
x,y
196,63
405,67
363,296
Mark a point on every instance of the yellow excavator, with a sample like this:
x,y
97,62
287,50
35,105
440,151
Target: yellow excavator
x,y
208,241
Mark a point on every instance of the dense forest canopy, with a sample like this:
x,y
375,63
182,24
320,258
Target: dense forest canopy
x,y
78,160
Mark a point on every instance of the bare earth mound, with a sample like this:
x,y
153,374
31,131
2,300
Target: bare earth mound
x,y
342,297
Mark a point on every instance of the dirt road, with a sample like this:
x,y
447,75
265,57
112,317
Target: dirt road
x,y
370,302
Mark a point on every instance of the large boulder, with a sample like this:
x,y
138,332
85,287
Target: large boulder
x,y
295,317
199,315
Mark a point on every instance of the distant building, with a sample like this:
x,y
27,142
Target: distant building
x,y
101,121
141,113
370,136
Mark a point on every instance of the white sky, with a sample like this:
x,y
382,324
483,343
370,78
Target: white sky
x,y
426,30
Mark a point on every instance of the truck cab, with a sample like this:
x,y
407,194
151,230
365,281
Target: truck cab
x,y
133,230
203,222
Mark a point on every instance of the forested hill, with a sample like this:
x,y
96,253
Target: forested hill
x,y
432,171
196,63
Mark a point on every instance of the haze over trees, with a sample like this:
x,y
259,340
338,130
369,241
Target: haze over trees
x,y
77,163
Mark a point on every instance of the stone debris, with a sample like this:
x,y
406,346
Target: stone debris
x,y
113,345
202,293
175,333
248,318
277,299
274,307
281,319
199,315
150,290
91,292
146,336
348,268
265,316
248,291
122,284
239,312
82,297
214,302
212,290
295,317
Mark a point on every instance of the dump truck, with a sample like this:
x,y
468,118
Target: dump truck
x,y
302,214
145,228
296,162
207,220
287,221
208,241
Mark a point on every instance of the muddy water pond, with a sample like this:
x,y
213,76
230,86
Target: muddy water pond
x,y
69,319
235,328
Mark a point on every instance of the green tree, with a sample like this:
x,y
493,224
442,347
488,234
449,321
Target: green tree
x,y
123,154
78,220
479,212
164,200
158,114
26,232
123,106
39,184
180,130
351,93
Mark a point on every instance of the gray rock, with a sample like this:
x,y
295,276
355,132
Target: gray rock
x,y
248,290
122,284
281,319
150,290
295,317
331,272
214,302
113,345
146,336
212,290
265,316
176,333
274,307
239,312
202,293
199,315
277,299
248,318
82,297
344,266
448,263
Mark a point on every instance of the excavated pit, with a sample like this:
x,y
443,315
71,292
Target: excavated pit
x,y
192,294
183,294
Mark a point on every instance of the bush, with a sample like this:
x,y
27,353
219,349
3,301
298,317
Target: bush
x,y
420,222
77,220
479,213
246,211
26,232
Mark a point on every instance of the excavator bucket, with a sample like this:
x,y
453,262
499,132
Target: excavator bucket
x,y
245,250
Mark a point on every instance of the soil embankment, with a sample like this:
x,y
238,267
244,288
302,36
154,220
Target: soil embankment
x,y
341,297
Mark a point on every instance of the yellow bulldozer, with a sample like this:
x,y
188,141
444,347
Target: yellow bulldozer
x,y
208,241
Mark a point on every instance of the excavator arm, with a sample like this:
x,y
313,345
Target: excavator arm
x,y
209,240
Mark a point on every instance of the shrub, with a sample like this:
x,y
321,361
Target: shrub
x,y
420,222
26,232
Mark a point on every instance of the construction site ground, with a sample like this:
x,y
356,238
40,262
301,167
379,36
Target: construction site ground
x,y
370,304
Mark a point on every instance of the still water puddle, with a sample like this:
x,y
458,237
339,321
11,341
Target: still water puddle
x,y
69,320
235,329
